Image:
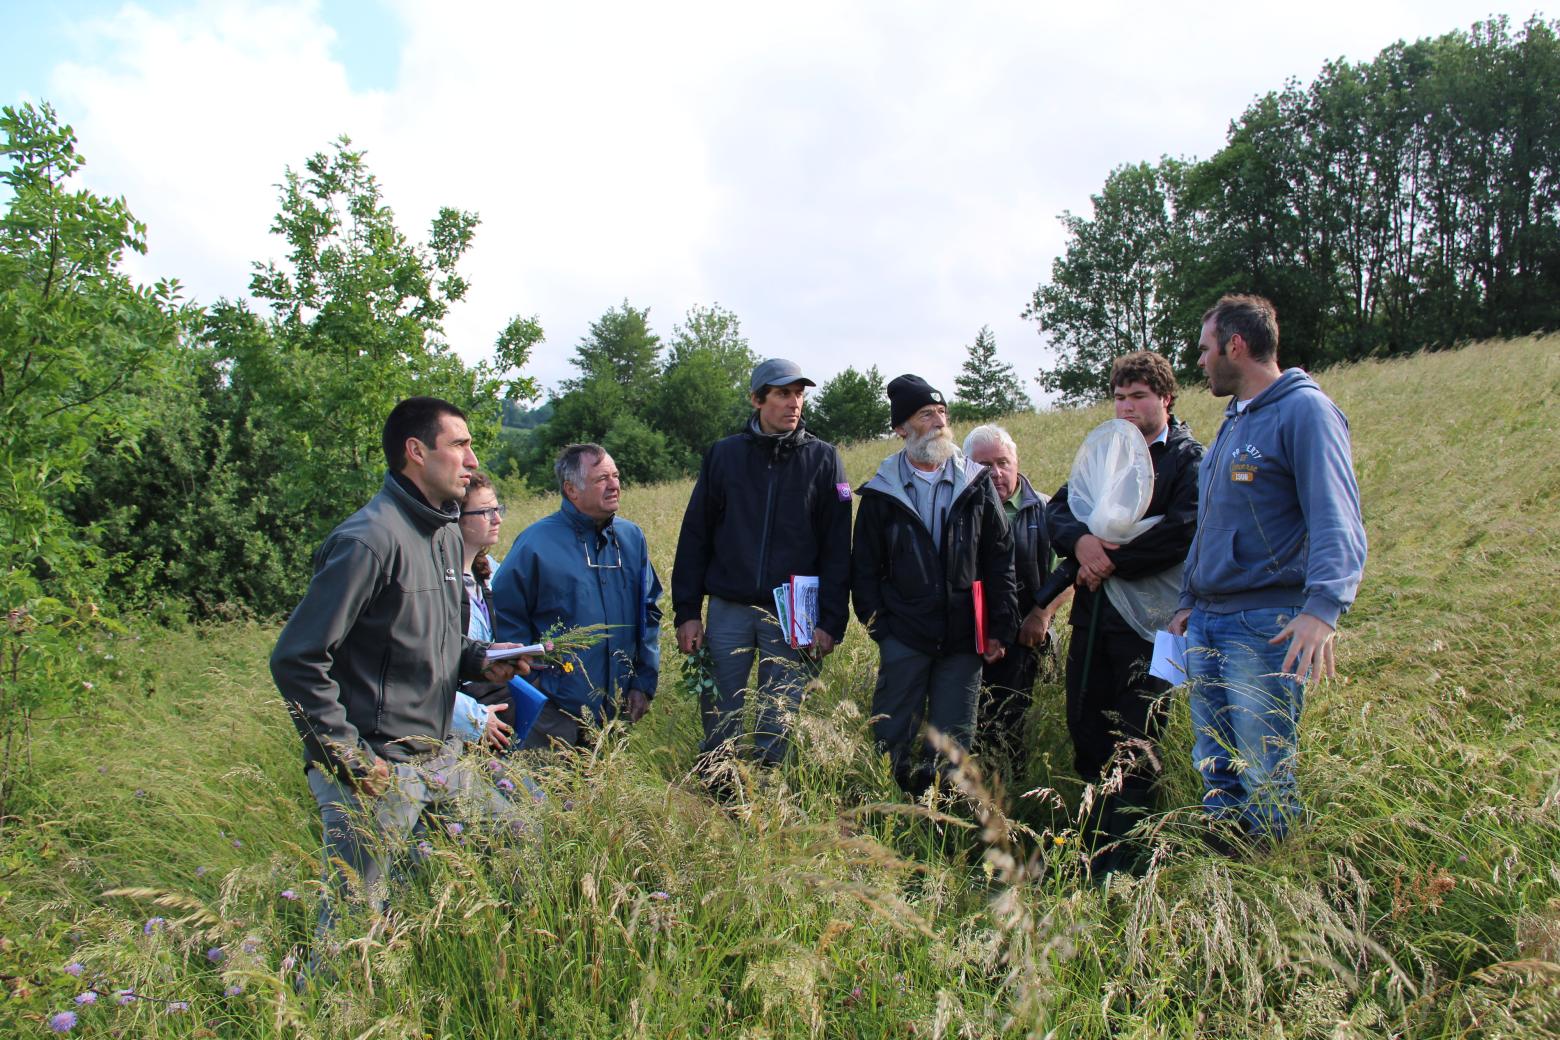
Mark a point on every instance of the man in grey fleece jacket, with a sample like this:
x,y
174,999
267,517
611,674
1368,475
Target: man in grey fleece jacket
x,y
369,661
1277,558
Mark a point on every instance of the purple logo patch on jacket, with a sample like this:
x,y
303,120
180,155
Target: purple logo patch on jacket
x,y
843,490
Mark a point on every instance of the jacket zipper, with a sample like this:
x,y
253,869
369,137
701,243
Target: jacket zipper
x,y
763,541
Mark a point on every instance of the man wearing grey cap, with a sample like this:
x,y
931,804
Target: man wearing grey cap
x,y
933,581
771,503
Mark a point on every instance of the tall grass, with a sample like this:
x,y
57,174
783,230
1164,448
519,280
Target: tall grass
x,y
1420,899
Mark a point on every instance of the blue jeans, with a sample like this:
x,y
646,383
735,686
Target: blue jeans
x,y
1246,717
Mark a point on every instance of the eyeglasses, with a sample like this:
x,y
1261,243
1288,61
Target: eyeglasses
x,y
600,565
490,514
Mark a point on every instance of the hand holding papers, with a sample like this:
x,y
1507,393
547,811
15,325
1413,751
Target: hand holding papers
x,y
1169,661
796,607
505,652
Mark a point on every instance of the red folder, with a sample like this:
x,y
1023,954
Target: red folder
x,y
978,595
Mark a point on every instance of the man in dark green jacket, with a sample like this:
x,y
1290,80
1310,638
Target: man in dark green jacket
x,y
369,661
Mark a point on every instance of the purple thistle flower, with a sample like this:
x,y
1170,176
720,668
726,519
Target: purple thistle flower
x,y
505,784
178,1007
660,896
424,849
216,955
63,1022
437,780
124,996
140,793
200,871
454,829
250,945
88,997
237,844
568,804
75,968
495,766
289,894
233,991
152,924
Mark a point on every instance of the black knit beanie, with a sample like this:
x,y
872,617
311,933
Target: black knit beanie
x,y
908,395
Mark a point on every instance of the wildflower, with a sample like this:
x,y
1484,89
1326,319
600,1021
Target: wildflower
x,y
153,924
75,968
518,827
139,793
660,896
124,996
438,780
85,998
495,766
1059,841
216,955
289,895
424,849
454,829
568,805
85,685
250,945
233,991
237,844
63,1022
178,1006
505,784
200,871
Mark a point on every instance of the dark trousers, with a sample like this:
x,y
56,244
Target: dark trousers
x,y
1007,691
912,687
1113,716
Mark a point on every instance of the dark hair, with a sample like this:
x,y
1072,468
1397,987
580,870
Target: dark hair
x,y
419,417
481,566
570,467
1144,366
1253,318
762,393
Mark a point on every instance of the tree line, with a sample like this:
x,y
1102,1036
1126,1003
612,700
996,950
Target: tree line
x,y
1403,203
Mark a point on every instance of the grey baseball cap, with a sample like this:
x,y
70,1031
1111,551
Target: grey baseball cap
x,y
777,372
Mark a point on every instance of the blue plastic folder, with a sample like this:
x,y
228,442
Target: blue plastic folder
x,y
528,702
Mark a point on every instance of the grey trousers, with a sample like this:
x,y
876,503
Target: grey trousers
x,y
733,632
553,726
912,685
368,839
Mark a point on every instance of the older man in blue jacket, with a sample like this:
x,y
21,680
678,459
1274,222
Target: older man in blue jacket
x,y
584,565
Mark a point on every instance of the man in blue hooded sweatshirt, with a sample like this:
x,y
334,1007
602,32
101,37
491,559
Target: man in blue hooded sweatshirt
x,y
584,565
1278,556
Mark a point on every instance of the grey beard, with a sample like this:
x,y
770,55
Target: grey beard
x,y
930,449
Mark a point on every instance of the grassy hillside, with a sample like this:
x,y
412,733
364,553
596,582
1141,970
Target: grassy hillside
x,y
167,844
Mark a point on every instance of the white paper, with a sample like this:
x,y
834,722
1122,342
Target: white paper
x,y
1169,658
515,651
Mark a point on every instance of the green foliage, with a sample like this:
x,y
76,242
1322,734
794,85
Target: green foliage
x,y
702,394
986,387
850,407
354,327
1407,202
80,348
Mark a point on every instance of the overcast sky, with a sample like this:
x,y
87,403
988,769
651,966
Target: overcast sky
x,y
862,183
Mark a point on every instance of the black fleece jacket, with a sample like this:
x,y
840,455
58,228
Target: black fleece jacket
x,y
763,509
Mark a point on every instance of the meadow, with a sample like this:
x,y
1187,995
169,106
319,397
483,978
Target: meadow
x,y
159,872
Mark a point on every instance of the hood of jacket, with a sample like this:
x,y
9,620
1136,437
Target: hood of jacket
x,y
1288,381
887,478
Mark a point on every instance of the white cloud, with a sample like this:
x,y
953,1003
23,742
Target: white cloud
x,y
862,184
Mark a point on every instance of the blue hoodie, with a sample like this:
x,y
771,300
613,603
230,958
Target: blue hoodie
x,y
1278,519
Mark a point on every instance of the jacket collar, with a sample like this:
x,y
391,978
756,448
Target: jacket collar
x,y
411,501
887,481
778,444
582,524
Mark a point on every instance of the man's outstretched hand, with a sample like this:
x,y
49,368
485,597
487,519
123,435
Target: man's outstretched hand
x,y
1310,651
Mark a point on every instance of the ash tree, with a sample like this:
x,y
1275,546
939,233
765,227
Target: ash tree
x,y
353,326
985,387
850,407
82,351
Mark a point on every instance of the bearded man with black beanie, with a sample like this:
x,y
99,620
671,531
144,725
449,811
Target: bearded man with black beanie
x,y
932,578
